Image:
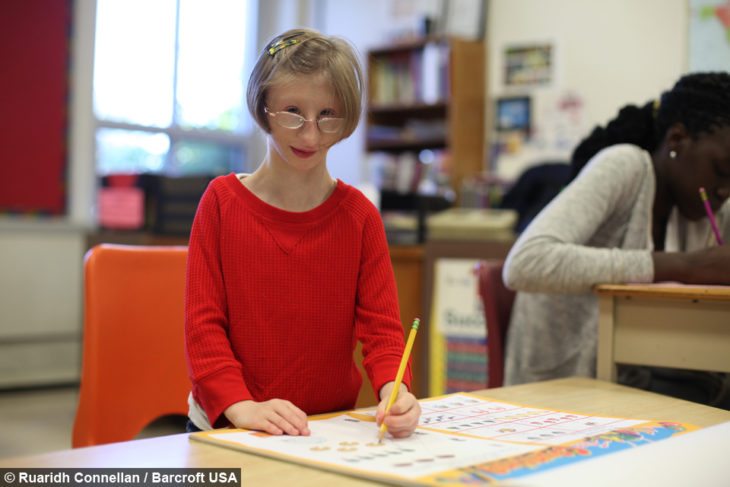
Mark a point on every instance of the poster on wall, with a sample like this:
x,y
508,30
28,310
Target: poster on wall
x,y
709,35
513,114
458,333
528,64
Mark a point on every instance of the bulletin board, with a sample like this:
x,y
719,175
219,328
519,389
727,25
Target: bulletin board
x,y
34,80
528,64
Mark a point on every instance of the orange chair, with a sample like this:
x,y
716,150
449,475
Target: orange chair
x,y
133,369
497,301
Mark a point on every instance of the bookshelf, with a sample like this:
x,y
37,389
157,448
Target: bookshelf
x,y
426,113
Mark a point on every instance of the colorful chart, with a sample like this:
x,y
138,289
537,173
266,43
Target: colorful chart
x,y
461,439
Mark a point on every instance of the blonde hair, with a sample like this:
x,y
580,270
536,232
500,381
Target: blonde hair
x,y
306,51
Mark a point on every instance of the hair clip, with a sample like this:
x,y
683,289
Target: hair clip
x,y
285,42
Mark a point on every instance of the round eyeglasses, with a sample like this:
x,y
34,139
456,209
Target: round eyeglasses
x,y
293,121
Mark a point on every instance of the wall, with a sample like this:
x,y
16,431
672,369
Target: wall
x,y
636,49
40,305
607,54
41,259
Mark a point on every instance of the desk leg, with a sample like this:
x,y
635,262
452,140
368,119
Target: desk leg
x,y
605,364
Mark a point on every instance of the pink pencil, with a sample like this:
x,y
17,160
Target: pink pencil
x,y
703,195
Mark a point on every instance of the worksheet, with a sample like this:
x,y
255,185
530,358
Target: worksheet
x,y
352,442
505,421
461,439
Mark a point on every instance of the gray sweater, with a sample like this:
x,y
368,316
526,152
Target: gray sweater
x,y
597,230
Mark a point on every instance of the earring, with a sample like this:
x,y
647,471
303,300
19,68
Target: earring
x,y
672,154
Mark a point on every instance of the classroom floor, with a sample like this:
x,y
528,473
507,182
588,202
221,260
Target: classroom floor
x,y
41,420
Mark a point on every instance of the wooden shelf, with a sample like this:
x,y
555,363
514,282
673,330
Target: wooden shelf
x,y
429,94
404,111
405,144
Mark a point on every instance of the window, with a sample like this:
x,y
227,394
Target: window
x,y
169,86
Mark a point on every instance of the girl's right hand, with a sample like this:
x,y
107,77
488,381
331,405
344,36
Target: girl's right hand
x,y
276,417
706,266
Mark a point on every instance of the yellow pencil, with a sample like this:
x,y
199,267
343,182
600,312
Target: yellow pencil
x,y
399,375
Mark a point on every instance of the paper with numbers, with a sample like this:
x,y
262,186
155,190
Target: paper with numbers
x,y
461,439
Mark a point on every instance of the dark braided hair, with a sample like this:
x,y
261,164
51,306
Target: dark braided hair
x,y
699,101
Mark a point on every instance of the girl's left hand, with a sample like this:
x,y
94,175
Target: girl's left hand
x,y
403,415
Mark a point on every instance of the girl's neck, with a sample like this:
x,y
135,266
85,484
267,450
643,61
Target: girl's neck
x,y
291,190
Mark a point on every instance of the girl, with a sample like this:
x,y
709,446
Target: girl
x,y
289,267
632,214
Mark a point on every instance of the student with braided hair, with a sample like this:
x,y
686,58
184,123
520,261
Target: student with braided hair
x,y
632,213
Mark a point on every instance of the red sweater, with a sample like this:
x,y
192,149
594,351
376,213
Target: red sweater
x,y
275,301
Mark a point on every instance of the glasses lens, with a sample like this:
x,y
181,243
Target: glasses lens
x,y
330,125
289,120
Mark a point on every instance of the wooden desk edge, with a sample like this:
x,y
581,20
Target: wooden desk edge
x,y
714,293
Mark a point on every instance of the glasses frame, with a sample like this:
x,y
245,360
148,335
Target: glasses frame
x,y
301,119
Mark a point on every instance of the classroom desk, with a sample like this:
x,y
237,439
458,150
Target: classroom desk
x,y
664,325
573,394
